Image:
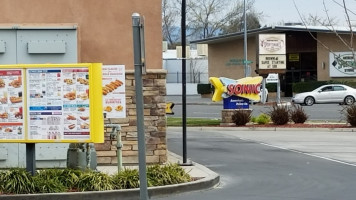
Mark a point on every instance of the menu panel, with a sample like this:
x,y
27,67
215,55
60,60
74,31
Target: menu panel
x,y
11,104
58,103
114,98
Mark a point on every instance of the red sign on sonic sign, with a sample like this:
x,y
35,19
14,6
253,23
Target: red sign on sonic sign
x,y
237,89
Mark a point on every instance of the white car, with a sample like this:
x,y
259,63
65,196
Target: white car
x,y
332,93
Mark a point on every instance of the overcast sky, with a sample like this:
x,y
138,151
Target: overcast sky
x,y
276,11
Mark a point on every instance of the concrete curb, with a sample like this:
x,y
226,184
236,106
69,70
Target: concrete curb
x,y
209,180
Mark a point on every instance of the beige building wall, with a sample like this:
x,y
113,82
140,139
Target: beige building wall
x,y
221,53
105,27
105,36
333,42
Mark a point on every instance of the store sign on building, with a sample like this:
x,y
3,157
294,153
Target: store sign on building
x,y
342,64
272,50
272,44
293,57
272,62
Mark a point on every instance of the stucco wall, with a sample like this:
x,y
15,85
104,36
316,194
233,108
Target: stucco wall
x,y
105,30
333,42
220,54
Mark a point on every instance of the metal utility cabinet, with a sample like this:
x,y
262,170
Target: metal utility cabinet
x,y
36,45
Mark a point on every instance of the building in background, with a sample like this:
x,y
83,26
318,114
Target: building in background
x,y
196,69
308,54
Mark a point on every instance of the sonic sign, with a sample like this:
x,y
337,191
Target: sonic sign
x,y
236,93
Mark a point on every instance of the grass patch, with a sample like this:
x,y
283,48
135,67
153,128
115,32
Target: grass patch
x,y
177,121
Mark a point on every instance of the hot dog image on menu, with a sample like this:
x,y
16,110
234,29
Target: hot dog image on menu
x,y
111,86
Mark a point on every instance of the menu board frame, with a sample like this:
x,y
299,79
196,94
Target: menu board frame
x,y
50,103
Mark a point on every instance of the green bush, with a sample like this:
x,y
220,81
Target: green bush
x,y
16,181
166,175
95,181
67,177
241,117
126,179
19,181
279,114
307,86
271,87
263,119
204,88
48,185
297,114
253,119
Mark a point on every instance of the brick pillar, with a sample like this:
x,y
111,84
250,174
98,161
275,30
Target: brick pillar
x,y
154,92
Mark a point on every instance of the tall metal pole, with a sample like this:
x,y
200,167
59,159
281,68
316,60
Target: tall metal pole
x,y
184,97
136,26
245,41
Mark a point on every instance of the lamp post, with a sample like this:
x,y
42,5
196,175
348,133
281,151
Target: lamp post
x,y
245,42
184,97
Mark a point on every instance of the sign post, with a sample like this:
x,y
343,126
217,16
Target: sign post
x,y
274,78
138,62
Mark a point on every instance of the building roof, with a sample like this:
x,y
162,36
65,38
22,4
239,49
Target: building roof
x,y
274,29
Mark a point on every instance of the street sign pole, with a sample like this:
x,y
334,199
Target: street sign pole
x,y
139,66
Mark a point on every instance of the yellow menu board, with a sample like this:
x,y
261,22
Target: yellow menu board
x,y
44,103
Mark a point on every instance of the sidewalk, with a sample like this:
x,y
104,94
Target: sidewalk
x,y
196,170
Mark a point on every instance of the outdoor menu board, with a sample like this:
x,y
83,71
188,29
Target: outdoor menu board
x,y
114,102
51,103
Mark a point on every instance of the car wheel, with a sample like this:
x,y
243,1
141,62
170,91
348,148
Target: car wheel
x,y
309,101
349,100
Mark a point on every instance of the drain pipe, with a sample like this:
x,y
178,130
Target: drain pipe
x,y
116,134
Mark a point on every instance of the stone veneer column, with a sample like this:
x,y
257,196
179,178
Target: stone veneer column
x,y
154,92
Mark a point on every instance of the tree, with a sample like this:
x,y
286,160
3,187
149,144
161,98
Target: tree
x,y
170,30
315,20
329,22
206,18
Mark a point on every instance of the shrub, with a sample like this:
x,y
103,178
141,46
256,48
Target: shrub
x,y
67,177
95,181
271,87
263,119
241,117
279,114
16,181
298,115
165,175
253,119
48,185
351,114
204,88
126,179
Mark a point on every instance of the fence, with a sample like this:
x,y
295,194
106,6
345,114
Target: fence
x,y
198,77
